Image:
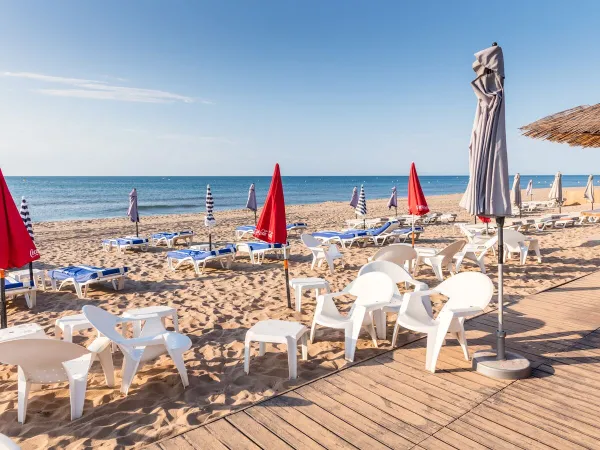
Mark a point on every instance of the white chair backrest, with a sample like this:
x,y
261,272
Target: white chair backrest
x,y
374,287
451,250
397,273
467,289
396,253
513,237
309,240
104,322
39,355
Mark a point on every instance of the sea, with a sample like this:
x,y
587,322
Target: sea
x,y
67,198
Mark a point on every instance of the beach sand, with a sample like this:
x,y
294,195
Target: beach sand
x,y
215,310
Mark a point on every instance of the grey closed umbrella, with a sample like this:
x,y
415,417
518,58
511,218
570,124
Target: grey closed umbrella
x,y
588,194
516,189
354,199
488,191
209,220
529,190
393,201
132,212
361,206
251,203
556,192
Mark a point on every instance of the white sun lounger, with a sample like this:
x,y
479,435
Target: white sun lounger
x,y
199,258
171,239
248,230
82,276
27,289
125,243
258,250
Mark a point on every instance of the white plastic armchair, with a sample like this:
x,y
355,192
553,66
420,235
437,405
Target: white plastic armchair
x,y
7,443
439,259
401,254
515,242
322,253
475,253
397,274
373,291
49,361
468,294
153,341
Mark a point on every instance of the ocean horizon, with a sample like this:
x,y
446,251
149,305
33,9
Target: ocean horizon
x,y
56,198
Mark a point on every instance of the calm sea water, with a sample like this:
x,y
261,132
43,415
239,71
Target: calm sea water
x,y
63,198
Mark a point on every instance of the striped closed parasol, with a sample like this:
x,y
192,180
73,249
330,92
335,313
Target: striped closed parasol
x,y
26,217
361,207
209,220
393,201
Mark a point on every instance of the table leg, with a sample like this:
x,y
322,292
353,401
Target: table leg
x,y
292,350
298,293
262,346
175,322
304,342
247,357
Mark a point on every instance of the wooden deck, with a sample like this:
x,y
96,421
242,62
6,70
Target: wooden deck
x,y
392,402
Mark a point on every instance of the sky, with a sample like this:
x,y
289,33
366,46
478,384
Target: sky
x,y
322,87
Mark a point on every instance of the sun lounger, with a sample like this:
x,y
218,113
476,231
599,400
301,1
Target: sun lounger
x,y
82,276
245,230
403,234
257,250
431,218
198,258
28,289
125,243
171,239
344,238
296,226
564,223
448,218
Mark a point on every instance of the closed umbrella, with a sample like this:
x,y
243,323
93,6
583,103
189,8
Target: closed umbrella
x,y
132,212
272,224
488,192
209,220
556,192
589,190
393,201
516,189
361,206
17,248
529,190
417,204
354,199
251,203
24,212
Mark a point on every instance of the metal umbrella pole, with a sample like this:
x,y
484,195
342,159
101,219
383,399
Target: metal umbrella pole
x,y
287,277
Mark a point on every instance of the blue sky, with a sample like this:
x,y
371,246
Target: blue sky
x,y
322,87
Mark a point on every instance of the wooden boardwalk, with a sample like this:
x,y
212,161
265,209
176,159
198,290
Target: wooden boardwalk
x,y
392,402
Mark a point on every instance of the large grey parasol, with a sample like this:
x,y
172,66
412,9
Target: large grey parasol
x,y
132,212
556,192
251,203
488,191
516,190
529,190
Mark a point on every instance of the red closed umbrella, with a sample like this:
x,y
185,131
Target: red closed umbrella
x,y
417,205
272,223
16,246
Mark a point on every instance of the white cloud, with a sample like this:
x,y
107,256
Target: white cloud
x,y
100,90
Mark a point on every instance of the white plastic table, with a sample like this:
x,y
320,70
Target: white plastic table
x,y
151,313
298,284
278,332
67,325
39,277
24,331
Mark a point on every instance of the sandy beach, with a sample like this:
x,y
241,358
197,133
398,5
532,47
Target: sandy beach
x,y
215,310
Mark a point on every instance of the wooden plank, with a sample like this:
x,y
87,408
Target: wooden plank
x,y
177,443
433,443
481,436
385,405
200,438
294,437
230,436
255,431
457,440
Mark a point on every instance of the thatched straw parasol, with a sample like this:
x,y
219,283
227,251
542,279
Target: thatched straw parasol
x,y
578,127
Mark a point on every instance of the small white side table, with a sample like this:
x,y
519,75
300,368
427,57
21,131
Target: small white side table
x,y
24,331
67,325
298,284
39,277
278,332
151,313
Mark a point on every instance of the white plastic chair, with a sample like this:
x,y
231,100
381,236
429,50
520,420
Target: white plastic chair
x,y
49,361
153,341
468,294
372,291
401,254
515,242
475,253
321,253
7,443
439,259
397,274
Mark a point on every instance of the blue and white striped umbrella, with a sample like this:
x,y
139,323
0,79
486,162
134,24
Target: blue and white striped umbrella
x,y
26,218
209,220
361,207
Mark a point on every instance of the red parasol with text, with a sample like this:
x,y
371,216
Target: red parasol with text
x,y
417,205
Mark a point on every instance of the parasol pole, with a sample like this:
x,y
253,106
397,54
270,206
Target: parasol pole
x,y
255,219
397,211
136,230
3,320
209,242
287,277
500,334
413,231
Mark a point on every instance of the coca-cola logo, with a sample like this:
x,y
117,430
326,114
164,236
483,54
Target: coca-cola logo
x,y
33,253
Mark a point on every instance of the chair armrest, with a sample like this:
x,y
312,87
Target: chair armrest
x,y
465,312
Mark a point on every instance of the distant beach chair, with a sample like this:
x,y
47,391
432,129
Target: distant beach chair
x,y
82,276
448,218
125,243
27,288
198,258
171,239
296,226
258,250
248,230
322,252
404,234
344,238
475,252
439,259
515,242
431,218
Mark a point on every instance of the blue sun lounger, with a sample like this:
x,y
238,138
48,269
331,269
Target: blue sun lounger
x,y
244,230
171,239
343,237
82,276
28,289
405,233
225,256
125,243
257,250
